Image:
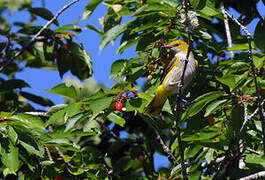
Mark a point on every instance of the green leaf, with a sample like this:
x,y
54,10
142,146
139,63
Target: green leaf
x,y
29,120
210,10
118,67
259,35
72,121
136,104
94,29
228,80
112,34
258,60
100,104
90,7
116,119
9,155
13,84
235,122
68,27
81,65
126,44
12,135
255,159
63,62
64,90
197,4
239,47
58,141
39,150
201,101
44,13
215,106
70,110
123,164
37,99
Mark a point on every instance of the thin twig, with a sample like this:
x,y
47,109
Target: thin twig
x,y
247,117
18,53
227,30
60,152
127,141
254,176
48,153
260,109
166,150
255,152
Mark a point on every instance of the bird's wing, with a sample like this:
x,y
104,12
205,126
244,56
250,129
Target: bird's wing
x,y
169,67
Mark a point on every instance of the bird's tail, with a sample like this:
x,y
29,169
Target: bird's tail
x,y
155,106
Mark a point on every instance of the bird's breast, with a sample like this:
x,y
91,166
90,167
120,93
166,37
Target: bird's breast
x,y
172,81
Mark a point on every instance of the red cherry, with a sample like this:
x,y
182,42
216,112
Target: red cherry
x,y
152,67
58,177
69,34
118,106
55,54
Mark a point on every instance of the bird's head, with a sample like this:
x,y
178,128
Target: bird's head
x,y
177,46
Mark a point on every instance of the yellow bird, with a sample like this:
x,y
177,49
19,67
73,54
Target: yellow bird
x,y
172,79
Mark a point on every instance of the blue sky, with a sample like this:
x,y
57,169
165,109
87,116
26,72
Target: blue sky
x,y
40,80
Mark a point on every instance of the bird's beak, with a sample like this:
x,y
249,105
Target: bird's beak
x,y
167,46
170,46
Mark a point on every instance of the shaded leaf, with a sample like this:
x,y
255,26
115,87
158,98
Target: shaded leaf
x,y
44,13
37,99
201,101
259,35
13,84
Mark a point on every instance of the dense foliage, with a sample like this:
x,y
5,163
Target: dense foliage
x,y
222,128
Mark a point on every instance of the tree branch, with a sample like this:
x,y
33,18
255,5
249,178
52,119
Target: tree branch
x,y
247,117
60,152
18,53
250,57
254,176
170,156
48,153
227,30
177,108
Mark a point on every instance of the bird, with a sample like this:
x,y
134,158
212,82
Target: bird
x,y
171,82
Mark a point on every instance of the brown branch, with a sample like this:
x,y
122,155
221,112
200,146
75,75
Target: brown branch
x,y
255,152
177,108
254,176
18,53
60,152
227,30
250,57
48,153
166,150
247,117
